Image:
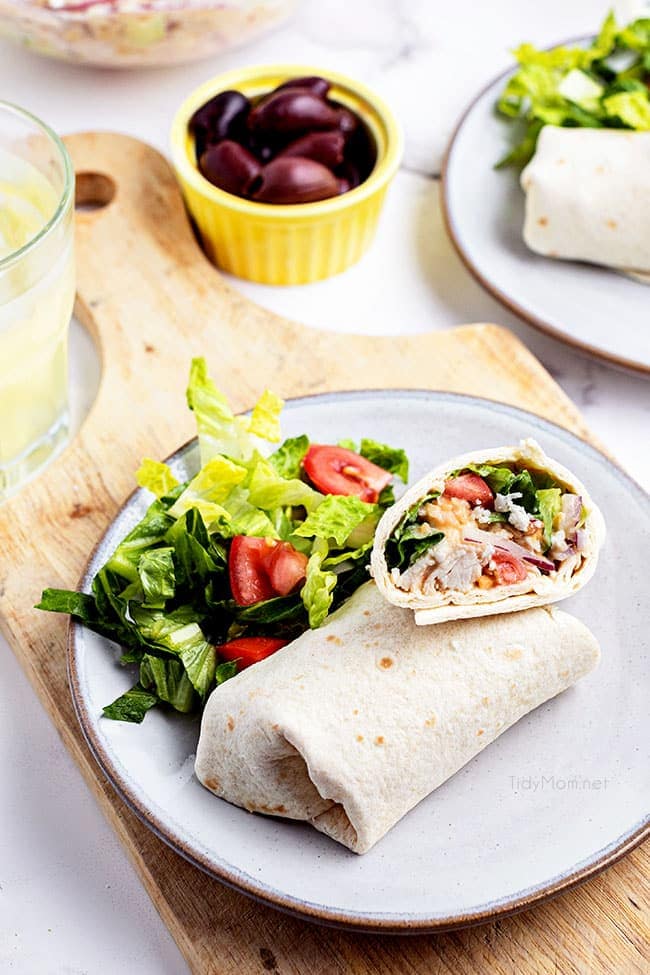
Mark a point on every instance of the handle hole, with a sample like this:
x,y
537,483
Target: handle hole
x,y
93,191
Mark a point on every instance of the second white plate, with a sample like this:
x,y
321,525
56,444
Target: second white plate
x,y
593,308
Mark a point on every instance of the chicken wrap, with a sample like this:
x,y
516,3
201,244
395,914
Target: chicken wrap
x,y
588,197
353,724
492,531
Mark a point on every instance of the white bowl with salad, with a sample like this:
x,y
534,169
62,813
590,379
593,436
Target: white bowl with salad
x,y
137,33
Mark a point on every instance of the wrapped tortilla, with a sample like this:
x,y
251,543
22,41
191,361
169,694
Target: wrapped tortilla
x,y
492,531
351,725
588,197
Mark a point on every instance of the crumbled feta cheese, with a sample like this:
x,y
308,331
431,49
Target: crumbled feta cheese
x,y
558,544
482,515
517,514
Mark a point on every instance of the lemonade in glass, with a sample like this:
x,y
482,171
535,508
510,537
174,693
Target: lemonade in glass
x,y
36,293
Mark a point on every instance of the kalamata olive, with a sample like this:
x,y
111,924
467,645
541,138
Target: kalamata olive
x,y
314,84
349,172
325,147
293,179
223,117
230,167
293,110
260,144
347,120
360,151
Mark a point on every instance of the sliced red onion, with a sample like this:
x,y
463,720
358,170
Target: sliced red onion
x,y
582,538
571,511
567,553
481,538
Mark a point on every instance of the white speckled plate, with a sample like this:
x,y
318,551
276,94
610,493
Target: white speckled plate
x,y
593,308
554,800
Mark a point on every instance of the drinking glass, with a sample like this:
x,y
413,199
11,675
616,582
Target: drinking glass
x,y
36,293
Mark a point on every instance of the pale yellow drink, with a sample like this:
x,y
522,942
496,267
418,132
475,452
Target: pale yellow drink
x,y
36,298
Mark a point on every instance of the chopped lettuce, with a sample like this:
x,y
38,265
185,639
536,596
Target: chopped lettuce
x,y
602,85
146,534
156,477
269,490
335,518
170,681
409,542
265,418
317,592
219,430
631,107
549,503
157,576
131,706
165,593
288,458
213,484
392,459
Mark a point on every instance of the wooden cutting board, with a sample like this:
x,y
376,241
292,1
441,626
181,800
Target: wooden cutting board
x,y
152,301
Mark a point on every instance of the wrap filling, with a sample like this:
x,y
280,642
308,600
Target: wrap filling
x,y
488,527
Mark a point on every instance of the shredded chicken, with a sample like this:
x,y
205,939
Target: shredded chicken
x,y
457,567
445,566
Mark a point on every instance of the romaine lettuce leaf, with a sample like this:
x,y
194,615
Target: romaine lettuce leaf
x,y
287,459
179,633
157,576
316,594
335,518
407,542
549,504
213,484
245,518
392,459
265,418
170,681
156,477
146,534
131,706
224,671
197,556
268,490
631,107
219,430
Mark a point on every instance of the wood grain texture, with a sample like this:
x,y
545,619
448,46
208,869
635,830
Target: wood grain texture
x,y
152,301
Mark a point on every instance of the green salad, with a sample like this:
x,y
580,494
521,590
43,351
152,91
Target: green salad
x,y
604,85
226,568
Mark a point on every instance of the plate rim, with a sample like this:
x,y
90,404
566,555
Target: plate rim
x,y
621,362
374,922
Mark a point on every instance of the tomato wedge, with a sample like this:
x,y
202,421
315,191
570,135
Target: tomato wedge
x,y
509,569
249,581
286,568
336,470
469,487
249,650
260,568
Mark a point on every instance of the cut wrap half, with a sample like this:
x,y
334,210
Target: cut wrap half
x,y
491,531
588,197
352,724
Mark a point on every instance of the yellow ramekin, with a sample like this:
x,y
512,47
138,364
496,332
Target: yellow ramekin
x,y
280,244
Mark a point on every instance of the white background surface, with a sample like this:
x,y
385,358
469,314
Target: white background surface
x,y
69,900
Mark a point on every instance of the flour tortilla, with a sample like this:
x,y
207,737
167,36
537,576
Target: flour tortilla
x,y
353,724
588,197
455,605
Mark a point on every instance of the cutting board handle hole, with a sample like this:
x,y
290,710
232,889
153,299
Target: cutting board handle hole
x,y
93,191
